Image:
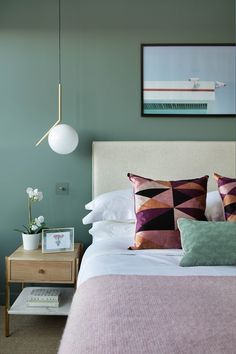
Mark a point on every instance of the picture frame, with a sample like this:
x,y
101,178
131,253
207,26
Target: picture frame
x,y
188,80
57,240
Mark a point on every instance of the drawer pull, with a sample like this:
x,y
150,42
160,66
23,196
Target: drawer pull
x,y
41,271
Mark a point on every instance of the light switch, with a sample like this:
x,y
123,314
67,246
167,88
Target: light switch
x,y
62,188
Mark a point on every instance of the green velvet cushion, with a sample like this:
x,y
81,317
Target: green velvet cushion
x,y
207,243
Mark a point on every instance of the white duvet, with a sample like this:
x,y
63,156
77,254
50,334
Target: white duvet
x,y
109,254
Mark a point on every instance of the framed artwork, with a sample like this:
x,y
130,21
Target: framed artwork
x,y
188,80
57,240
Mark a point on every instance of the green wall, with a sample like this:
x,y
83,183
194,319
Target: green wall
x,y
101,93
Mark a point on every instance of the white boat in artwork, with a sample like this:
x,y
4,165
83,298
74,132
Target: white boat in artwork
x,y
176,96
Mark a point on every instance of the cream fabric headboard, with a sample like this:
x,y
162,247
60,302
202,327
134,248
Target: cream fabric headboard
x,y
112,160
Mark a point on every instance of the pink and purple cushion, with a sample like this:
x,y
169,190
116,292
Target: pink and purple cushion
x,y
158,205
227,190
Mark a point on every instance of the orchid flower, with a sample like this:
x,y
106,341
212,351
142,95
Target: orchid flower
x,y
34,194
34,225
39,221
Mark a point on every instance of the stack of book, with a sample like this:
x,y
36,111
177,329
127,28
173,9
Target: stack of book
x,y
44,297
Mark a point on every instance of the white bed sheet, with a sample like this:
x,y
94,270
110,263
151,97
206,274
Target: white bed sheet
x,y
109,254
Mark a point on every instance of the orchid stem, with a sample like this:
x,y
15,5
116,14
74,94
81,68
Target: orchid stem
x,y
29,212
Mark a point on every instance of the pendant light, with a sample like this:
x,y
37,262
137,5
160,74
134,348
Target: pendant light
x,y
62,138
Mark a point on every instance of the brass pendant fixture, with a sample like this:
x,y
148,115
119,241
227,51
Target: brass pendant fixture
x,y
62,138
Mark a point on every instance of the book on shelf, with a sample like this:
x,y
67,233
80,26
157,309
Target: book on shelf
x,y
44,297
42,303
45,294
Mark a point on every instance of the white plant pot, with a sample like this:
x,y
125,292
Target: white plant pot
x,y
30,241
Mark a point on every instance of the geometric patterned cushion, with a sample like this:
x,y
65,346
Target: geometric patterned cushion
x,y
158,205
227,190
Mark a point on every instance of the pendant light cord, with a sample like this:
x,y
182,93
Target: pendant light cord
x,y
59,75
59,61
59,41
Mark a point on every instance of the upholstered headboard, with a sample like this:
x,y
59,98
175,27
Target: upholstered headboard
x,y
112,160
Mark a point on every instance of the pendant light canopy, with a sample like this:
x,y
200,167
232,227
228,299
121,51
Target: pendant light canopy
x,y
62,138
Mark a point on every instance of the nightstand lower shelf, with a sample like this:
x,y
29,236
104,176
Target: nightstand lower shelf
x,y
20,307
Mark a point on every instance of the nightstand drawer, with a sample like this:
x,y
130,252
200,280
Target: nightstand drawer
x,y
38,271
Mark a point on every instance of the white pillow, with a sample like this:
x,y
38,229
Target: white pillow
x,y
214,207
116,205
113,230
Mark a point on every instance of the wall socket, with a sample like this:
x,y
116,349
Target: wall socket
x,y
62,188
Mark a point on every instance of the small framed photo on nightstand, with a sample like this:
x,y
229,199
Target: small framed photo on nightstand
x,y
58,240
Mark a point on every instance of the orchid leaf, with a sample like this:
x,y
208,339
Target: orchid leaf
x,y
18,230
28,231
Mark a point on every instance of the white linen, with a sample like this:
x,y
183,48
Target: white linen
x,y
214,207
116,205
105,230
110,255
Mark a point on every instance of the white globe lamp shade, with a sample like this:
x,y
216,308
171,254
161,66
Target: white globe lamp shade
x,y
63,139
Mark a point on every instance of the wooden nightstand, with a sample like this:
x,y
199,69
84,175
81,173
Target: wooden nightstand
x,y
37,267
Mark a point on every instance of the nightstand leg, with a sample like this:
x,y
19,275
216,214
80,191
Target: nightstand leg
x,y
6,322
7,304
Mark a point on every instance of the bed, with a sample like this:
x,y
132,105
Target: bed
x,y
143,301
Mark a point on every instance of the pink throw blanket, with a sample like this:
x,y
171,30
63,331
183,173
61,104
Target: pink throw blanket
x,y
128,314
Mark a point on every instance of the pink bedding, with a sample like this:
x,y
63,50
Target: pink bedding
x,y
119,314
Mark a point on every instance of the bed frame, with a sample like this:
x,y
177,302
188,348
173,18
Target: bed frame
x,y
112,160
106,313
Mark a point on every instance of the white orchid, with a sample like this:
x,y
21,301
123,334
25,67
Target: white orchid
x,y
34,225
39,221
30,192
34,194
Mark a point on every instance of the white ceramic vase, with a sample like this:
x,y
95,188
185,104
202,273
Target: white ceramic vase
x,y
31,241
